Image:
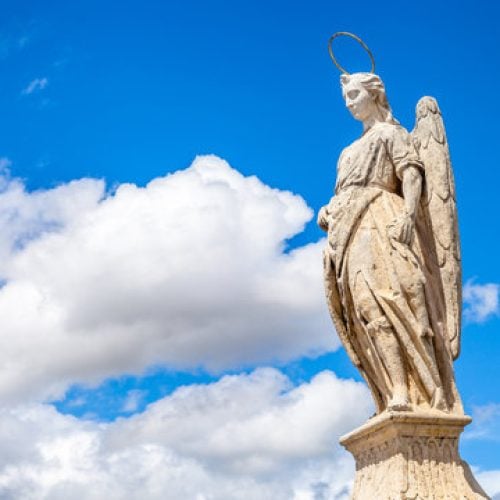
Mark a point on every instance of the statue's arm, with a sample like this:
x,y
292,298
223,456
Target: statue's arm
x,y
412,189
323,218
402,230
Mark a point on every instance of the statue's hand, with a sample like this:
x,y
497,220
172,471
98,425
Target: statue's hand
x,y
323,218
402,229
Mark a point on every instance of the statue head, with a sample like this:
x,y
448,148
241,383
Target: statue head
x,y
365,97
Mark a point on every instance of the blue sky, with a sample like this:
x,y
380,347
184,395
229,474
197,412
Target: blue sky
x,y
124,94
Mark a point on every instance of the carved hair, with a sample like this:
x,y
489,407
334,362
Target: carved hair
x,y
375,86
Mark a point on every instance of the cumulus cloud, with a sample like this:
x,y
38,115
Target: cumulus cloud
x,y
481,301
490,481
35,85
251,437
189,271
5,164
133,401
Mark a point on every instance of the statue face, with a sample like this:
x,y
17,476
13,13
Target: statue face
x,y
359,101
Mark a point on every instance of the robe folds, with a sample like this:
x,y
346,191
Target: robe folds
x,y
373,281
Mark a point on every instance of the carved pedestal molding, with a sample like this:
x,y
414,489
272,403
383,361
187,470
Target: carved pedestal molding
x,y
407,455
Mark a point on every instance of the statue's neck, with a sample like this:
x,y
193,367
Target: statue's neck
x,y
370,122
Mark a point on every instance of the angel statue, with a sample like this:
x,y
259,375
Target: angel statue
x,y
392,263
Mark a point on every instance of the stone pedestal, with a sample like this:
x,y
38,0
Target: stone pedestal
x,y
406,455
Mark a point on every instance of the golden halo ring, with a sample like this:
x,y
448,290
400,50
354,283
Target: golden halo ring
x,y
351,35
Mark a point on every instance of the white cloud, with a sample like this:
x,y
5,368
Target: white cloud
x,y
250,437
481,301
133,401
188,271
10,44
490,481
5,164
485,422
35,85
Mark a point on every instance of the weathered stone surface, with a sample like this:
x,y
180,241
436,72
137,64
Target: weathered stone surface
x,y
392,274
392,264
407,455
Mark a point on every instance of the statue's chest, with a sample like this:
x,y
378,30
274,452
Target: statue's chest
x,y
363,160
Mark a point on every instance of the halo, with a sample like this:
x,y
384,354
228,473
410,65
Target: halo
x,y
351,35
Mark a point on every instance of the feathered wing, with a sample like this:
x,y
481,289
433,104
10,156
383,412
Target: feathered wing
x,y
439,207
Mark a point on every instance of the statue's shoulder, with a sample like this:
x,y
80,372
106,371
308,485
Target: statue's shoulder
x,y
390,130
397,137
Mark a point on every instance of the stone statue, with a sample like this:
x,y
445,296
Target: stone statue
x,y
393,285
392,265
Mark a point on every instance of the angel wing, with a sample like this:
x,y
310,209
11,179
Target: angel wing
x,y
439,207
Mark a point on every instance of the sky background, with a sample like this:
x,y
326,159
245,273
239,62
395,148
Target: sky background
x,y
164,330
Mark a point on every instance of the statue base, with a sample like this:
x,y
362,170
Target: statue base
x,y
407,455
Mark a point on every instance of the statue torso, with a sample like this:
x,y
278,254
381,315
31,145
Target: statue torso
x,y
370,161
